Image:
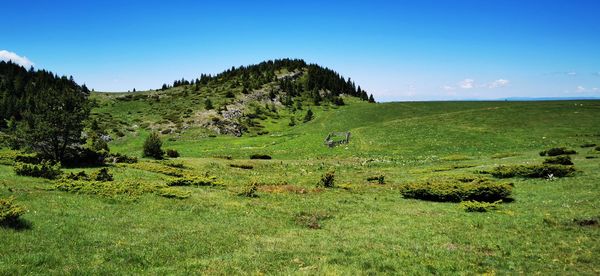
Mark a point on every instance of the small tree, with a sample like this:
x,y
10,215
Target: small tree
x,y
153,146
371,99
308,116
208,104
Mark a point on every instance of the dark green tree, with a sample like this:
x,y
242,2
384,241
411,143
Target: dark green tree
x,y
153,146
208,104
309,116
371,99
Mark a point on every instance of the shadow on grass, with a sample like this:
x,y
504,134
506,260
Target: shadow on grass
x,y
17,224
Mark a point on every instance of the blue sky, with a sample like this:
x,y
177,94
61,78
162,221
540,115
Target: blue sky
x,y
397,50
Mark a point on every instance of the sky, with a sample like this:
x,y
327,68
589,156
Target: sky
x,y
396,50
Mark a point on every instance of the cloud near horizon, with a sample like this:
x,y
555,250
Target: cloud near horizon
x,y
470,84
10,56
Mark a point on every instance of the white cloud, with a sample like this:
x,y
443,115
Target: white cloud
x,y
448,88
467,84
571,73
21,60
498,83
581,89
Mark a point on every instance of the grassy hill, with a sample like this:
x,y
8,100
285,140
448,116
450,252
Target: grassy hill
x,y
294,227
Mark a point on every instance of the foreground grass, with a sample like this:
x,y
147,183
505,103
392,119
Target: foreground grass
x,y
364,227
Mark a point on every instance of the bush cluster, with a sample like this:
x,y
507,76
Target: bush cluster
x,y
193,181
170,192
379,178
172,153
10,211
327,180
127,189
557,152
250,190
457,190
588,145
532,171
242,166
477,206
260,156
120,158
157,168
559,160
45,169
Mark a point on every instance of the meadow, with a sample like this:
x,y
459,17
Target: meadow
x,y
291,226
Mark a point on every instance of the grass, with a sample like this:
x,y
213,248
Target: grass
x,y
292,227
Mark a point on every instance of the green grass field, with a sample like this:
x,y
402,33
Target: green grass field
x,y
293,227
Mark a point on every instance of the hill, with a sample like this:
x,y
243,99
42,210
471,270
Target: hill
x,y
243,100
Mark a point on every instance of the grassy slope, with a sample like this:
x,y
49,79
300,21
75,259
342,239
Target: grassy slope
x,y
371,229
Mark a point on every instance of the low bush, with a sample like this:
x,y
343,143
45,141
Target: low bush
x,y
172,153
173,193
120,158
312,220
379,178
173,164
10,211
158,168
77,176
477,206
101,175
588,145
193,181
28,158
44,170
457,190
557,152
327,180
125,189
260,156
242,166
250,190
597,148
559,160
532,171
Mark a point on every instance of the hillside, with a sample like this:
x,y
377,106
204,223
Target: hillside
x,y
244,100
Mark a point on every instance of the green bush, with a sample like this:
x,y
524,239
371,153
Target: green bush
x,y
153,146
242,166
457,190
125,189
559,160
44,170
120,158
250,190
260,156
28,158
193,181
327,180
597,148
77,176
532,171
172,153
588,145
102,175
477,206
379,178
173,193
9,211
557,152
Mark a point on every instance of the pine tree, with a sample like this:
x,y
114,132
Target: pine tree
x,y
153,146
371,99
208,104
308,117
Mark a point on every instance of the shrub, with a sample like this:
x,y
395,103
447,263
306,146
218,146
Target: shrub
x,y
588,145
457,190
28,158
242,166
312,220
557,152
172,153
597,148
9,211
559,160
327,180
308,117
77,176
172,164
113,189
102,175
157,168
250,190
173,193
532,171
379,178
121,158
477,206
153,146
260,156
193,181
44,170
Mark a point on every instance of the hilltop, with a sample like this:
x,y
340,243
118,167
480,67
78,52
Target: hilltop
x,y
247,100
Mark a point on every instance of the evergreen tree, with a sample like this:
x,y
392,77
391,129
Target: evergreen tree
x,y
153,146
371,99
308,117
208,104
